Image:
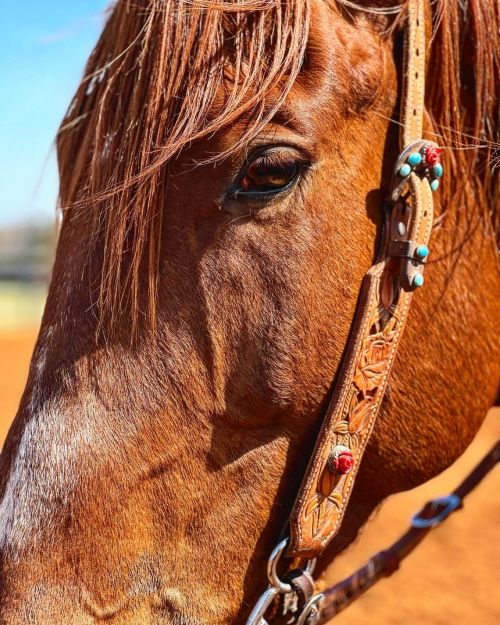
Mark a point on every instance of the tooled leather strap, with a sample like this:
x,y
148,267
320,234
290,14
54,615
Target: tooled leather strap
x,y
382,310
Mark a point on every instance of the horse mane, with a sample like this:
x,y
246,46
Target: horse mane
x,y
153,85
462,101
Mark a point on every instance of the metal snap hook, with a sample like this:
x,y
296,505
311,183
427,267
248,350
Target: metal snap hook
x,y
272,564
276,586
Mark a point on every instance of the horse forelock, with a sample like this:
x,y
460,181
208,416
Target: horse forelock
x,y
152,86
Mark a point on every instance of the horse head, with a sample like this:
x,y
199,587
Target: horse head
x,y
223,171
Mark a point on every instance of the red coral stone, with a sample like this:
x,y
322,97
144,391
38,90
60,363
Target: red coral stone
x,y
432,155
344,462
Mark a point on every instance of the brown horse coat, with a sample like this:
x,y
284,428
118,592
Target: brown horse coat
x,y
190,339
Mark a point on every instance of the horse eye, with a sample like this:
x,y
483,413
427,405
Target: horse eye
x,y
267,175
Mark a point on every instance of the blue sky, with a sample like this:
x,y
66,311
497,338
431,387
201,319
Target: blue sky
x,y
44,45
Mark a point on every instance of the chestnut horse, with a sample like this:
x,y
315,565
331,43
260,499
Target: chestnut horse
x,y
223,167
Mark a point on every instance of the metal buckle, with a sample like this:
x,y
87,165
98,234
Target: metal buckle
x,y
278,587
399,182
440,508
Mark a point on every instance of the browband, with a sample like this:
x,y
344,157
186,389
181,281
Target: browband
x,y
378,324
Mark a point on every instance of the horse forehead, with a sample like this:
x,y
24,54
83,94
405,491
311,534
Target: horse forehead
x,y
320,85
301,115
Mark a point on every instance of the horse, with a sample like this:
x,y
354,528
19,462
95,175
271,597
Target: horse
x,y
223,168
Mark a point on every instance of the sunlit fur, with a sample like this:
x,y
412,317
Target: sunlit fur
x,y
187,350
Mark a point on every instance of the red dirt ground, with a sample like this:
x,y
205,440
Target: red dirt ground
x,y
452,578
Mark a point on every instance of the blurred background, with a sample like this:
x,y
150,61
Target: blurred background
x,y
43,50
452,578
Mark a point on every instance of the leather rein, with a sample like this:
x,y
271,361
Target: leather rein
x,y
383,307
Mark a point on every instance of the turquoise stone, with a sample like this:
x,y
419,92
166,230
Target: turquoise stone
x,y
435,185
418,280
438,170
415,158
422,251
404,170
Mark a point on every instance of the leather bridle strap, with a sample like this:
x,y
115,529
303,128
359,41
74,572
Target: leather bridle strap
x,y
385,563
383,307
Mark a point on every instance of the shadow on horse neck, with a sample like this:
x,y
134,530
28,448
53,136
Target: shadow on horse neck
x,y
223,171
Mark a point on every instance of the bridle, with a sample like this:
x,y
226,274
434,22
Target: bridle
x,y
383,307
